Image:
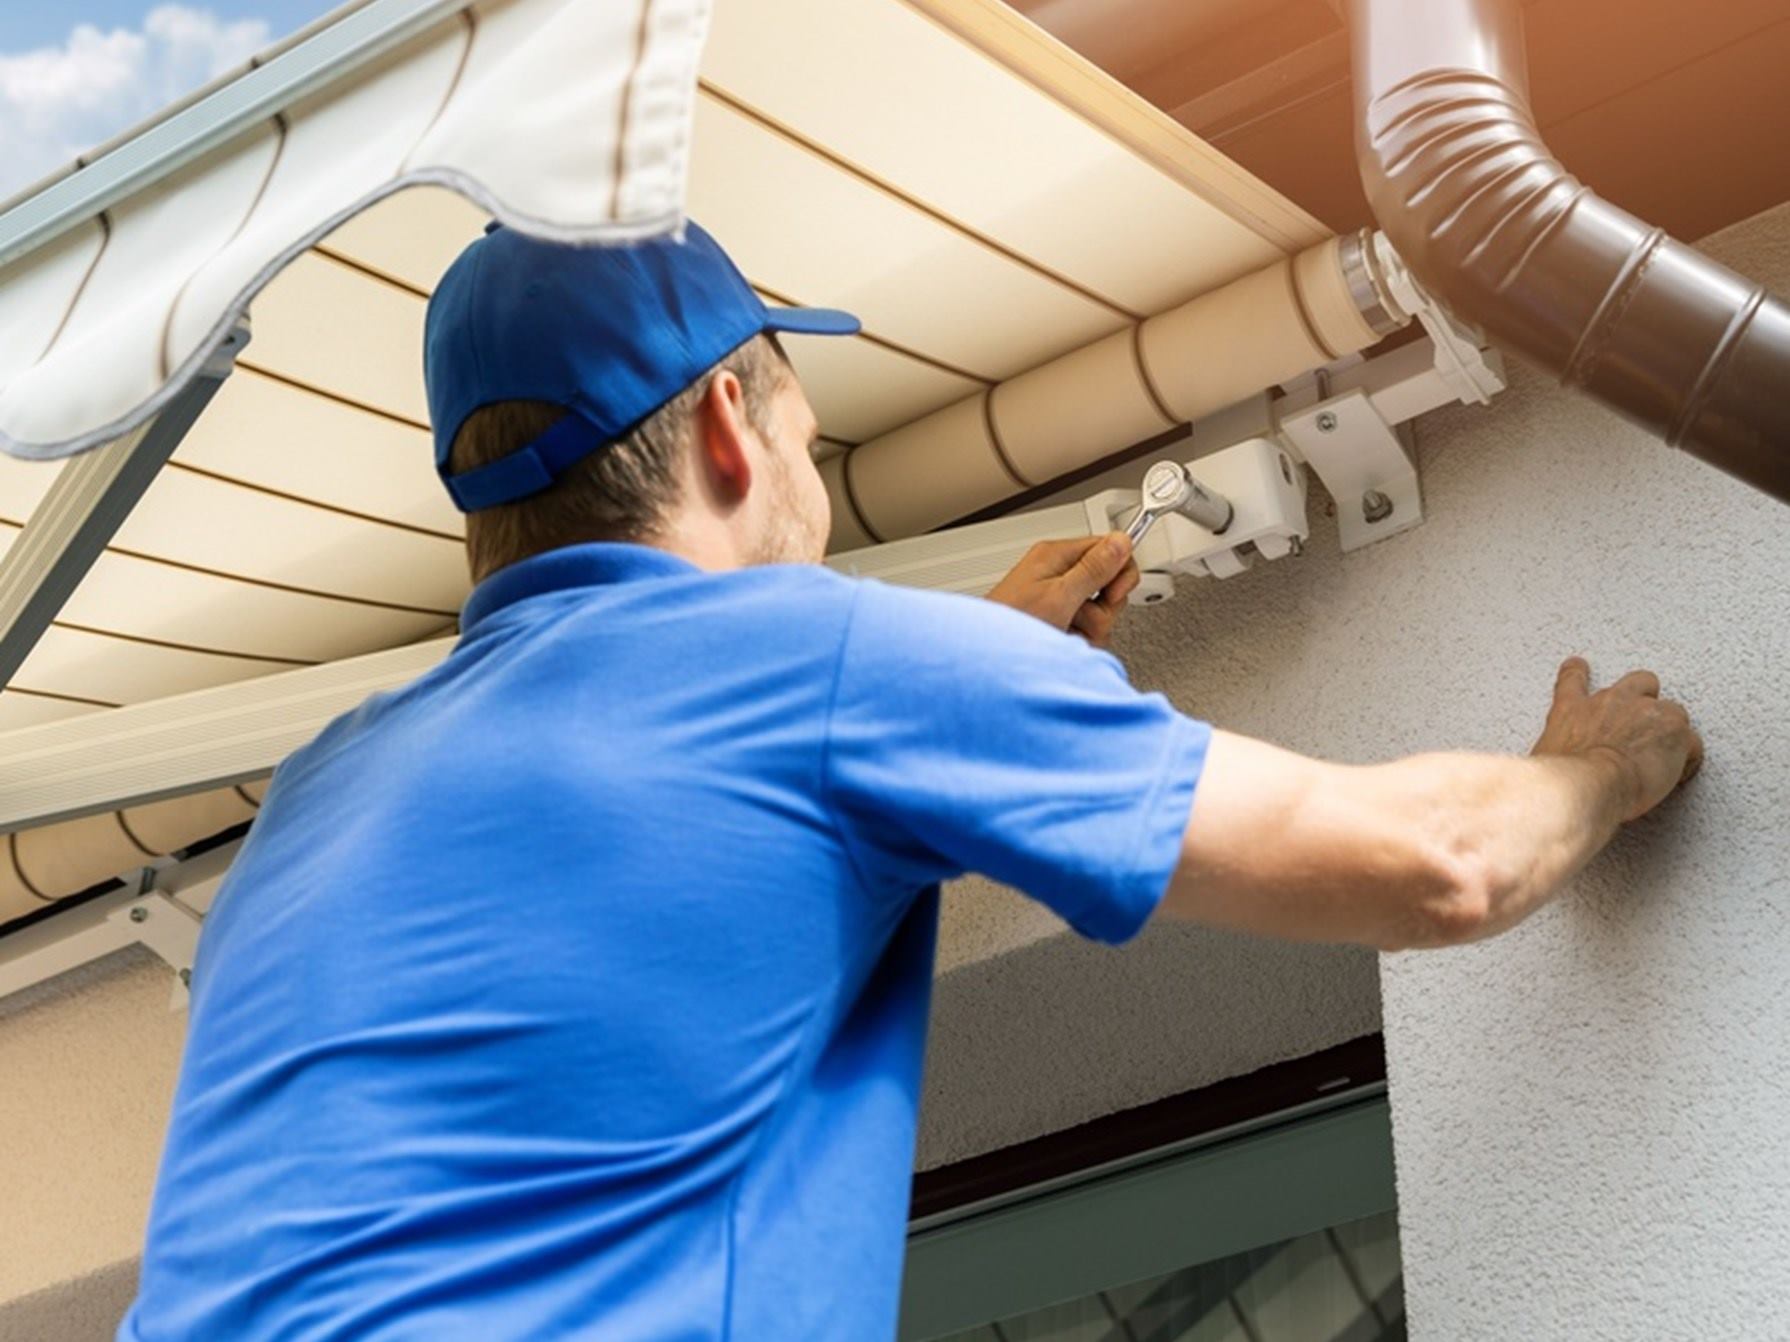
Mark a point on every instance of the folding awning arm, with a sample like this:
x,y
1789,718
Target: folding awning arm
x,y
86,505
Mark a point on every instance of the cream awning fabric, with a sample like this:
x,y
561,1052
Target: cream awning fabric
x,y
983,198
567,117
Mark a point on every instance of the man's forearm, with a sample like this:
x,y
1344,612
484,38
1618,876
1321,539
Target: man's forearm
x,y
1514,829
1430,850
1426,851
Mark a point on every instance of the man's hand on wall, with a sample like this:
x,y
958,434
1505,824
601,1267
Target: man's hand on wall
x,y
1077,585
1649,740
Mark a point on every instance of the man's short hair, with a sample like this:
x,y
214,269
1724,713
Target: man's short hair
x,y
622,492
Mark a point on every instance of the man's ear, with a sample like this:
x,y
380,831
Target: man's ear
x,y
722,430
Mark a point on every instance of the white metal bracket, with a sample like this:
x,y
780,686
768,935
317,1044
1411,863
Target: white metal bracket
x,y
1470,370
1266,491
1362,463
95,929
1350,422
163,913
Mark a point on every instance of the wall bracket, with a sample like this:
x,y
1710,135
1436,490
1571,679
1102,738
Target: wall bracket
x,y
1350,422
1362,462
97,928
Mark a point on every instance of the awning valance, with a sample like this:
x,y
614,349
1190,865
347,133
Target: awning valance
x,y
570,118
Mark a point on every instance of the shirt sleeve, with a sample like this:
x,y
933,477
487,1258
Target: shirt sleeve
x,y
964,736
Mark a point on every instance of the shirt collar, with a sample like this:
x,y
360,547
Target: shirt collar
x,y
596,564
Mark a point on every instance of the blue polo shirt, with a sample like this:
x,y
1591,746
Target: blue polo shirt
x,y
579,989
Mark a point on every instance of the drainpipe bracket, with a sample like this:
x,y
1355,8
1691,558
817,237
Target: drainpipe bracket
x,y
1473,372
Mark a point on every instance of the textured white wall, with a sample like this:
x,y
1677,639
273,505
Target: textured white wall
x,y
1592,1115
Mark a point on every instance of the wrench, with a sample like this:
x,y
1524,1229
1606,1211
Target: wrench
x,y
1169,488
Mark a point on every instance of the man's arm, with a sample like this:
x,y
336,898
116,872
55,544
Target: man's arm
x,y
1433,850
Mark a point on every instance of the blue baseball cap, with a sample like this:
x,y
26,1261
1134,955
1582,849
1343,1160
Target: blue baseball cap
x,y
610,333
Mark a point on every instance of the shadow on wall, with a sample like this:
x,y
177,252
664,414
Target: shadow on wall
x,y
85,1309
1065,1030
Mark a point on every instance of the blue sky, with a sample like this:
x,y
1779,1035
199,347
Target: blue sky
x,y
25,24
75,74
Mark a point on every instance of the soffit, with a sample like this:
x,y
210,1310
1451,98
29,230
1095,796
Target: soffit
x,y
1673,111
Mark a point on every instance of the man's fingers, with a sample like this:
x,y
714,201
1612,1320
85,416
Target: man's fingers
x,y
1052,559
1693,762
1638,682
1099,564
1574,680
1113,595
1094,623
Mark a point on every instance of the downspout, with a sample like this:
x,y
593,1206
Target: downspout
x,y
1498,230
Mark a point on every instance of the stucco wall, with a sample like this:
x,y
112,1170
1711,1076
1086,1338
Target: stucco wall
x,y
1592,1115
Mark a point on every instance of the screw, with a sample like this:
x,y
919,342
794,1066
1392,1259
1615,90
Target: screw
x,y
139,914
1375,506
1326,422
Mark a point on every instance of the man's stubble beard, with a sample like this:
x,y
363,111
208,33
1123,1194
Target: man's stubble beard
x,y
790,536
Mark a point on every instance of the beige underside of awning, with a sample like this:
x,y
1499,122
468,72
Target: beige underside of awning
x,y
980,196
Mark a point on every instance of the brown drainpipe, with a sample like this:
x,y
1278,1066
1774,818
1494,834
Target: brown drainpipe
x,y
1492,225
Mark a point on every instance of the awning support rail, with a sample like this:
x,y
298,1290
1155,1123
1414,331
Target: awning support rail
x,y
147,155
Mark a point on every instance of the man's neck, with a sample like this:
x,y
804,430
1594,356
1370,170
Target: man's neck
x,y
706,542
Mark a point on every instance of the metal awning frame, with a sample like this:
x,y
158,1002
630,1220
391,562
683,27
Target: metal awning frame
x,y
96,490
86,504
162,748
314,58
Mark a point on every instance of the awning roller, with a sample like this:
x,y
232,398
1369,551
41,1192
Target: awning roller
x,y
1297,314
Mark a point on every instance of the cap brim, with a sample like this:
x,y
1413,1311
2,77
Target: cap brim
x,y
812,321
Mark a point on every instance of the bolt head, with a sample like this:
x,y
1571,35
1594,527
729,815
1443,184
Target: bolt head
x,y
1166,483
186,977
139,914
1375,506
1326,422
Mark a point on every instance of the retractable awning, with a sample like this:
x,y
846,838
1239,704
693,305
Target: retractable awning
x,y
981,196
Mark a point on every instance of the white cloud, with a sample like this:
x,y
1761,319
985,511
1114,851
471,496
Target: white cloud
x,y
57,102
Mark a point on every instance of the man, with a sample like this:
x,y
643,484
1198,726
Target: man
x,y
579,989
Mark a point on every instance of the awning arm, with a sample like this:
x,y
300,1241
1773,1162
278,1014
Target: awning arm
x,y
85,506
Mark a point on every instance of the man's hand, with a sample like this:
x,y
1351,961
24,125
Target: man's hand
x,y
1431,850
1648,739
1078,585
